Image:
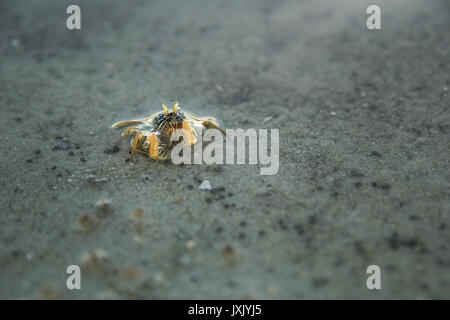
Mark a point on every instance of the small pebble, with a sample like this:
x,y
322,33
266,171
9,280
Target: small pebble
x,y
106,295
48,293
205,185
94,259
15,43
130,273
138,213
86,222
104,208
190,244
272,290
158,278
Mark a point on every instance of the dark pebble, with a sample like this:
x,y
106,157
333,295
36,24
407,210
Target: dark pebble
x,y
112,150
385,186
282,224
15,253
375,154
219,189
396,242
312,219
299,228
356,173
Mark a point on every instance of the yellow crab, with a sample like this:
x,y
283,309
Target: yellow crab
x,y
153,135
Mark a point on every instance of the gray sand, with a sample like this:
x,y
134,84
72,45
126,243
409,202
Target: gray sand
x,y
364,150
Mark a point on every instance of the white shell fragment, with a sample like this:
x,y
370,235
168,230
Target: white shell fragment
x,y
15,43
205,185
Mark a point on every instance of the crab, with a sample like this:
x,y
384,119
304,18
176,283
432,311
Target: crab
x,y
152,136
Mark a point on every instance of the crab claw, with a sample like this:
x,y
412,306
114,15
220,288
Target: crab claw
x,y
158,146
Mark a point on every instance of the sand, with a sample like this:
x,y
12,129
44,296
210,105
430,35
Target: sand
x,y
364,150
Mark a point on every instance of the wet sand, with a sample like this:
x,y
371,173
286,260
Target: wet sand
x,y
364,135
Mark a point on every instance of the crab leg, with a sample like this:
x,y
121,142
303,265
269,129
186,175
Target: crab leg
x,y
189,133
129,131
153,150
148,120
208,124
134,143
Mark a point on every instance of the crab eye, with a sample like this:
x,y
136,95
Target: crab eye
x,y
166,111
175,107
